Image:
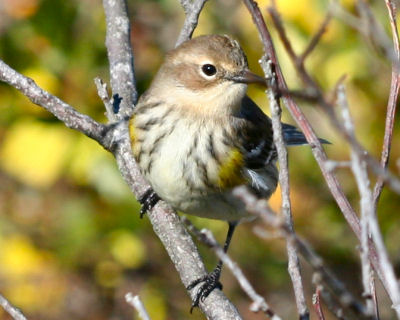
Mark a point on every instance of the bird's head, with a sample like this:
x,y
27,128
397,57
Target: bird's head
x,y
208,74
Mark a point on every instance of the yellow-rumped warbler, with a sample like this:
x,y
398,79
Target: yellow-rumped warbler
x,y
196,135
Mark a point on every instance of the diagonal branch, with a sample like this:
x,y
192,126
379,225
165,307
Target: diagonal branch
x,y
259,303
63,111
317,150
11,310
260,208
293,260
303,123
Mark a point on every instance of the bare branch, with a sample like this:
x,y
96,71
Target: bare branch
x,y
369,223
329,300
166,223
103,94
135,302
63,111
317,304
392,181
393,97
293,260
192,10
303,123
316,38
261,209
119,49
359,168
259,303
10,309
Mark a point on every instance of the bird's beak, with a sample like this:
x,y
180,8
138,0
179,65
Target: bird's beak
x,y
248,77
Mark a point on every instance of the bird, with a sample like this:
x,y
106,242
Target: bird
x,y
196,135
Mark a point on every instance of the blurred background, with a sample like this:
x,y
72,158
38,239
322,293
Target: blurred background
x,y
71,241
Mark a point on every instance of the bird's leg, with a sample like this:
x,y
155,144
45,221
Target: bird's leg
x,y
211,280
148,200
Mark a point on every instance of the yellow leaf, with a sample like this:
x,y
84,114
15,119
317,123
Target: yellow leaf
x,y
24,269
127,249
35,152
19,257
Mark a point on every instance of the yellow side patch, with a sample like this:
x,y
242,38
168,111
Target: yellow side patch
x,y
132,130
230,172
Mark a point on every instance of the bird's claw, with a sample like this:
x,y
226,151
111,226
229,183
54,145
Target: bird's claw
x,y
210,282
148,200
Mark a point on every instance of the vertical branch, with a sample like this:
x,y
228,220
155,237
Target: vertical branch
x,y
316,147
369,222
120,57
166,224
192,10
293,260
392,103
359,168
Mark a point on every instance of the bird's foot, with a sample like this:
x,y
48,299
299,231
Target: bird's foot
x,y
148,200
210,282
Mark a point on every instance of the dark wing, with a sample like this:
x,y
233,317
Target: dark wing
x,y
291,135
255,134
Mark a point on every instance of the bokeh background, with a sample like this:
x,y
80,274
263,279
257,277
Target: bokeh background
x,y
71,241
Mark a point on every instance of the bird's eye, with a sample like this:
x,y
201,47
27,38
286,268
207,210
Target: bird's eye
x,y
209,69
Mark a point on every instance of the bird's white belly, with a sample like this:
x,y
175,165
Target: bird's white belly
x,y
177,176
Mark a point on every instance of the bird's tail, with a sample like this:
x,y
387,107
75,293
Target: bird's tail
x,y
294,137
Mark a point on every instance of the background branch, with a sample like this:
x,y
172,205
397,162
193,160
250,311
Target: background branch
x,y
293,260
135,302
11,310
392,103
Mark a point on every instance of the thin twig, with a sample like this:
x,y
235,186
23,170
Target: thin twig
x,y
369,222
293,260
303,123
330,302
372,163
11,310
316,147
103,94
392,181
316,38
317,304
261,209
366,25
393,97
135,302
382,262
206,237
359,168
192,10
